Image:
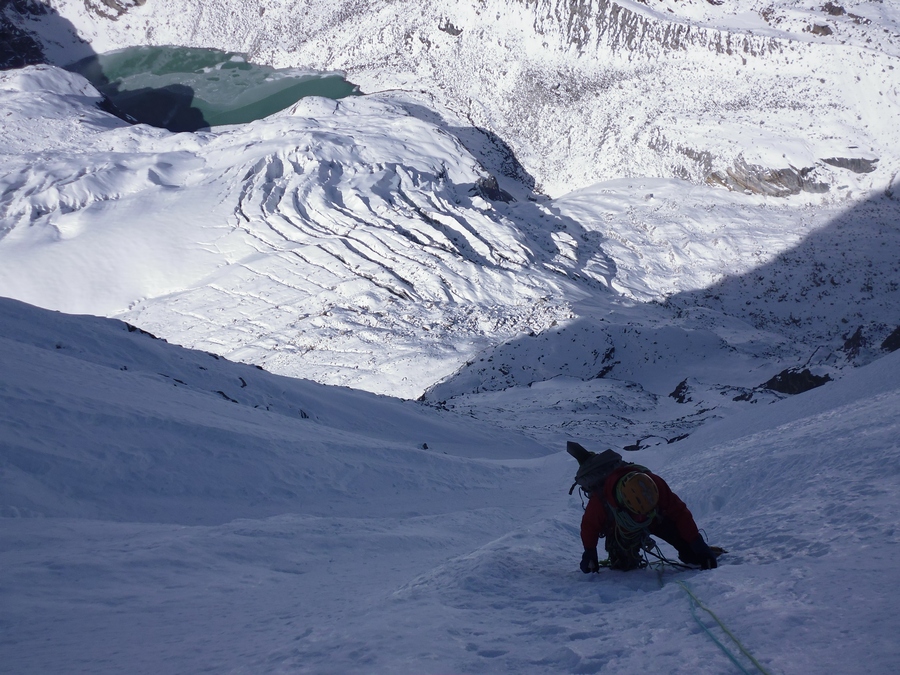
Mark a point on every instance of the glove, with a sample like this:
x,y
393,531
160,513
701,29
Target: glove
x,y
589,561
703,554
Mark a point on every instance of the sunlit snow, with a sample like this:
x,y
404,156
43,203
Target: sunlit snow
x,y
292,396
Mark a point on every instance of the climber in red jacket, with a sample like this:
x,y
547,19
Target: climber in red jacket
x,y
631,504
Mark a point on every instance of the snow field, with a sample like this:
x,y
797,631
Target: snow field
x,y
279,233
170,511
558,81
154,525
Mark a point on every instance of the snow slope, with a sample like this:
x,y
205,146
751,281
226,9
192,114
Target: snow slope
x,y
151,524
389,242
335,228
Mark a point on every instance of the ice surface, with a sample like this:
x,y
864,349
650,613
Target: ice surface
x,y
184,89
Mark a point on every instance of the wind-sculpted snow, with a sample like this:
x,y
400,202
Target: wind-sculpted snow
x,y
355,243
334,229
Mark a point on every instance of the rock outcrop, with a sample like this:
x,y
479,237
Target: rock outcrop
x,y
112,9
18,47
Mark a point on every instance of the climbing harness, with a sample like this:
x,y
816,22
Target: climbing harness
x,y
629,540
648,554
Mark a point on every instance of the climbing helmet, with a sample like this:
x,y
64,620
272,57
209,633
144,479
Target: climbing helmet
x,y
637,492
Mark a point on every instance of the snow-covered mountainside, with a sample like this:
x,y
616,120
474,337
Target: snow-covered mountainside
x,y
775,97
167,511
387,243
279,443
641,225
358,242
337,228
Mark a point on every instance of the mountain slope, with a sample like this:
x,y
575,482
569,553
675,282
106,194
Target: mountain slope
x,y
183,531
359,243
168,510
153,413
771,96
334,228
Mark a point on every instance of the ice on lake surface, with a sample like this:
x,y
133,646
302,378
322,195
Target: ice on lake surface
x,y
187,89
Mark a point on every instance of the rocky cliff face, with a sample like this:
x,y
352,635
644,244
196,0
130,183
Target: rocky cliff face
x,y
592,25
111,9
18,47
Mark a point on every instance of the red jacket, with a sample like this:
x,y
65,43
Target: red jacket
x,y
596,522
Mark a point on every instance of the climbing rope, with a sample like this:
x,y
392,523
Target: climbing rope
x,y
629,533
651,549
661,560
628,524
695,604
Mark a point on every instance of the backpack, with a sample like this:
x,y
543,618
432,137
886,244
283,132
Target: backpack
x,y
625,549
593,468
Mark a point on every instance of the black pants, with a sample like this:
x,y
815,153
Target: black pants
x,y
665,529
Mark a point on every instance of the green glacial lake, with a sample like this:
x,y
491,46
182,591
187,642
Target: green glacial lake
x,y
188,89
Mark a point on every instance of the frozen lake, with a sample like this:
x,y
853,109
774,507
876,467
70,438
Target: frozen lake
x,y
187,89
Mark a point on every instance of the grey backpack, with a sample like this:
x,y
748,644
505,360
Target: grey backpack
x,y
593,468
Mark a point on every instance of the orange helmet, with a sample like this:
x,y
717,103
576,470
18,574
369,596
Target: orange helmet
x,y
637,492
